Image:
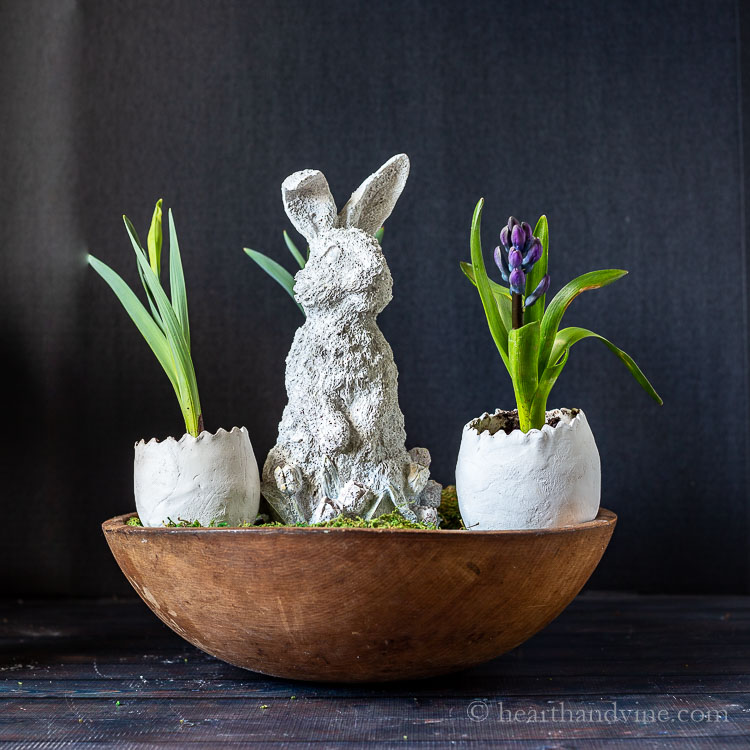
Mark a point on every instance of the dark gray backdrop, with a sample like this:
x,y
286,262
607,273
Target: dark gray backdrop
x,y
622,121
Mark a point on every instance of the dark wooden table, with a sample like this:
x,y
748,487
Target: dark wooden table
x,y
612,671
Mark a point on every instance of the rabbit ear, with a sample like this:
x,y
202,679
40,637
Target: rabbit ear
x,y
308,203
372,202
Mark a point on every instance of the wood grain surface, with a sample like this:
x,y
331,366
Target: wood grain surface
x,y
108,673
306,603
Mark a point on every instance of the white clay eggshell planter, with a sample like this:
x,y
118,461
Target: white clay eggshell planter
x,y
212,477
540,479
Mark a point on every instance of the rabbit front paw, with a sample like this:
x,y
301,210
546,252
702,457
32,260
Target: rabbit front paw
x,y
335,433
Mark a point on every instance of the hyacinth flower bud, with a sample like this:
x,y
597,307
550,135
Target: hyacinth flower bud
x,y
529,231
505,237
517,280
540,290
515,260
518,237
512,222
502,263
535,252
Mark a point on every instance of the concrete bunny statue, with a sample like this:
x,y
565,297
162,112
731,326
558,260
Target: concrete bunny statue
x,y
340,448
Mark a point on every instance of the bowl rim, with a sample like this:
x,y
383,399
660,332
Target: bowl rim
x,y
118,525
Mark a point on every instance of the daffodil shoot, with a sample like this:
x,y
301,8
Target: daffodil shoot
x,y
165,324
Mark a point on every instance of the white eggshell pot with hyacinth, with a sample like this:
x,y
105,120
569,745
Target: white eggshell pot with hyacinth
x,y
530,468
203,478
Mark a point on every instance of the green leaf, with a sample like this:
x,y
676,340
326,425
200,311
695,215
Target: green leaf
x,y
536,311
504,307
497,289
554,313
494,321
188,388
177,282
148,328
277,272
293,250
501,294
134,239
523,351
154,240
137,243
379,235
150,298
569,336
546,380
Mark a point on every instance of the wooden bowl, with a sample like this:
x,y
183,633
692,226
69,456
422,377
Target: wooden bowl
x,y
357,605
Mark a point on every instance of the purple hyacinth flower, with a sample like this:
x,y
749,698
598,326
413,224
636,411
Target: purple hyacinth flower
x,y
523,252
517,280
541,289
515,260
535,252
512,224
504,237
518,237
502,263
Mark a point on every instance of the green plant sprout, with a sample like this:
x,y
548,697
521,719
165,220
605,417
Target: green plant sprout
x,y
166,327
279,274
533,347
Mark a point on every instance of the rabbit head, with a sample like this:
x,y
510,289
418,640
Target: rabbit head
x,y
346,270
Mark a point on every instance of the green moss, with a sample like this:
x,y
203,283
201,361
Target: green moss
x,y
183,524
450,515
393,520
180,523
450,518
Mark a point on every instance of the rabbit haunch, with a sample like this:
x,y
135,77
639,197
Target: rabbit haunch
x,y
341,445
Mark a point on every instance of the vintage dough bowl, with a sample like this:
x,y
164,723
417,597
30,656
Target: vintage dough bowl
x,y
357,605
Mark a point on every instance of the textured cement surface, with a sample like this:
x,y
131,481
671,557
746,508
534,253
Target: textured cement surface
x,y
533,480
341,445
211,477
